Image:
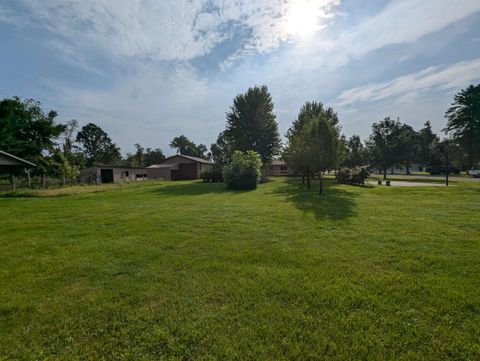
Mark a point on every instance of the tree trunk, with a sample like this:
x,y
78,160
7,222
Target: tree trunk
x,y
14,184
391,171
308,180
385,172
63,180
407,167
303,178
321,182
29,180
43,181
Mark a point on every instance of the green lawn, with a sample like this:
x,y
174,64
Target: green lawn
x,y
187,270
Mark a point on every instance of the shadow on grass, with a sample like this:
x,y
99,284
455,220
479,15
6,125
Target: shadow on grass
x,y
193,188
334,203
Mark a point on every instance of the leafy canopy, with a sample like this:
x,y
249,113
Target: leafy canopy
x,y
243,172
185,146
97,146
26,130
252,125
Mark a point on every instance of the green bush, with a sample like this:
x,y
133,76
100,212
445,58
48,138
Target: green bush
x,y
212,175
352,175
244,170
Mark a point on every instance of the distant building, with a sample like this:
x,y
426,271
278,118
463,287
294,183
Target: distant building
x,y
185,167
177,167
9,162
278,168
15,165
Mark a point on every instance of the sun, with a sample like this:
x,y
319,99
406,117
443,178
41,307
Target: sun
x,y
302,18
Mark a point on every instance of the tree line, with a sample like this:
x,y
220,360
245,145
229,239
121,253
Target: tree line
x,y
314,142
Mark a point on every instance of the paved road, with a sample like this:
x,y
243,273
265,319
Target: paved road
x,y
433,177
409,184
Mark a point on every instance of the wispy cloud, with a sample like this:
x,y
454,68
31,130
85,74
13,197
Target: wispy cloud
x,y
169,30
407,88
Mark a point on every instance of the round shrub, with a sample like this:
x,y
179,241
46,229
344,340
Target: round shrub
x,y
244,170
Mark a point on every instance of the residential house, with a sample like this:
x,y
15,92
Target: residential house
x,y
278,168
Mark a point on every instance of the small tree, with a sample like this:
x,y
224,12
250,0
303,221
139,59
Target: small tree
x,y
244,171
314,143
322,142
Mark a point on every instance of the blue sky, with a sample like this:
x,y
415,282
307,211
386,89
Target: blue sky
x,y
147,71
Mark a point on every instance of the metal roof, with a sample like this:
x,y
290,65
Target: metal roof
x,y
195,159
161,166
23,161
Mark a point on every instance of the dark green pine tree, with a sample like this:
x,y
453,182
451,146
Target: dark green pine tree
x,y
463,122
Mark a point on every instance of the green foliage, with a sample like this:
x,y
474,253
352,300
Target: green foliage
x,y
252,125
314,143
212,175
144,157
357,175
463,122
384,144
311,110
26,130
185,146
221,151
355,155
153,156
244,170
427,146
97,146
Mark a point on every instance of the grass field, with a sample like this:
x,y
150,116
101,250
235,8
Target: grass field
x,y
187,270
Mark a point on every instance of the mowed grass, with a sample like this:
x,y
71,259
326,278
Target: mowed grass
x,y
192,271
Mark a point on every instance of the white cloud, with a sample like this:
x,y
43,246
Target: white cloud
x,y
407,88
149,106
405,21
169,30
400,22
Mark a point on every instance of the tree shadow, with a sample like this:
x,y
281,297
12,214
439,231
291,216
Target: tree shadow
x,y
335,203
196,188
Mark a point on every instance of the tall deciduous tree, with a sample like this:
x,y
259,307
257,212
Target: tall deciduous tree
x,y
26,130
463,122
355,152
314,109
153,156
408,147
252,125
384,144
97,146
221,151
144,157
185,146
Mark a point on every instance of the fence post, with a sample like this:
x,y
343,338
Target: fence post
x,y
29,180
14,186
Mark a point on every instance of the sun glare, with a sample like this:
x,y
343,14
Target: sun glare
x,y
302,18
